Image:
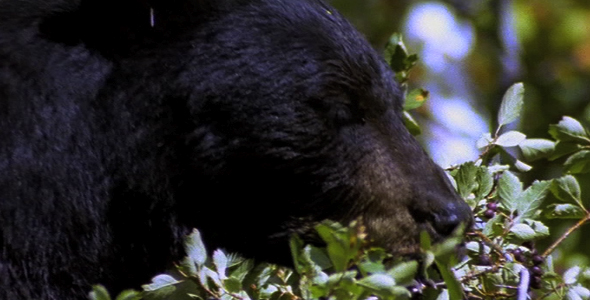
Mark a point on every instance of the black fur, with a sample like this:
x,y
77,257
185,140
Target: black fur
x,y
249,120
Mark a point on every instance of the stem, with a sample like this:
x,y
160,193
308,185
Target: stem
x,y
565,235
489,242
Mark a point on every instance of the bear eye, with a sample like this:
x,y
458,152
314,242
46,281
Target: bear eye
x,y
341,110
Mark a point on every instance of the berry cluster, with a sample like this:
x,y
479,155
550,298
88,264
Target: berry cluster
x,y
535,263
491,209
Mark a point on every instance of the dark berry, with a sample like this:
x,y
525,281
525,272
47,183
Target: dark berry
x,y
488,214
492,205
536,270
485,260
538,259
518,256
536,282
528,244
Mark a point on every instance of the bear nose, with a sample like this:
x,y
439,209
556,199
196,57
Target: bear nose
x,y
451,216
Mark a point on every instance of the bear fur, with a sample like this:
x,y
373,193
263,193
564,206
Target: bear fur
x,y
124,124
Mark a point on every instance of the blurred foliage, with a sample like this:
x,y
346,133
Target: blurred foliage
x,y
552,59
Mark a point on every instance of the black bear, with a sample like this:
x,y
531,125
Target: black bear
x,y
126,123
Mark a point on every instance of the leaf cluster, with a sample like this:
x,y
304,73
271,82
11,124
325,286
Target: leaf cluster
x,y
502,261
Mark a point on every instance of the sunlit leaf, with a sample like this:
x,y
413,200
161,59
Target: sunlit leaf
x,y
571,275
509,190
195,249
220,261
511,106
444,295
583,292
564,211
569,130
540,229
523,232
521,166
161,286
533,149
378,282
510,139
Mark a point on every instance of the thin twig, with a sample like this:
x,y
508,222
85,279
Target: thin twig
x,y
565,235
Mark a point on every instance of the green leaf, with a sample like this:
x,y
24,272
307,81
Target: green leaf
x,y
373,262
533,149
567,189
162,285
411,124
564,211
233,285
195,249
509,190
494,226
578,163
398,58
510,139
523,232
129,295
319,257
427,259
378,282
486,183
220,262
338,244
540,229
532,198
447,247
425,241
453,285
569,130
242,270
211,274
564,148
415,99
296,245
99,292
395,52
465,178
404,272
511,106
